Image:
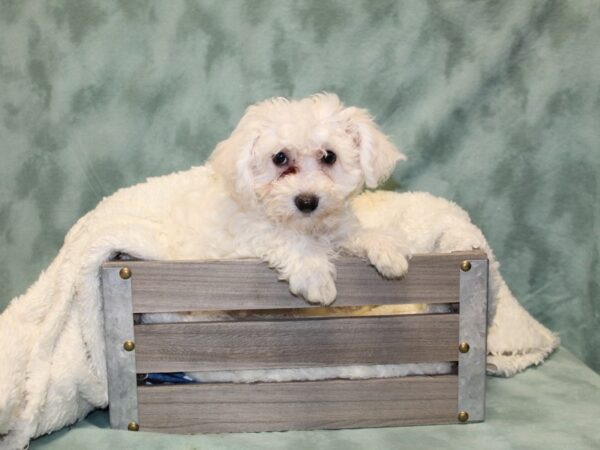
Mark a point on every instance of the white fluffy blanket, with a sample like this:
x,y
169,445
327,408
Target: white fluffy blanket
x,y
52,362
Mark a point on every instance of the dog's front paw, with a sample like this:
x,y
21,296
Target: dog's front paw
x,y
389,258
314,287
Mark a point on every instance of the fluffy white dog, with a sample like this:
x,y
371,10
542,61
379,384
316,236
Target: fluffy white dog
x,y
279,188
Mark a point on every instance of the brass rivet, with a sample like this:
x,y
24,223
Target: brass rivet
x,y
133,426
465,266
128,345
463,416
125,273
463,347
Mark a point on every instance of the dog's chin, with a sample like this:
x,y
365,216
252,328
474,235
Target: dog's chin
x,y
321,221
312,223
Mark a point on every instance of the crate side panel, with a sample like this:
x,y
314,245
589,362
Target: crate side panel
x,y
334,404
261,344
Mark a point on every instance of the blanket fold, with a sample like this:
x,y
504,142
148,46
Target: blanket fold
x,y
52,360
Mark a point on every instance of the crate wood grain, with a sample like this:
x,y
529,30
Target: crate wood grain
x,y
267,343
293,343
163,286
333,404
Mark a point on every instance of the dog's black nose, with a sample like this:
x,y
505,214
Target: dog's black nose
x,y
306,202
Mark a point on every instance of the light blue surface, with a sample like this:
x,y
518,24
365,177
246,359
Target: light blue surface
x,y
554,406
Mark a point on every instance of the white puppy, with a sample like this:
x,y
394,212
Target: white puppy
x,y
279,188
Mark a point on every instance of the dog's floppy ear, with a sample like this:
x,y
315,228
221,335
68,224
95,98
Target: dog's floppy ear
x,y
378,156
234,160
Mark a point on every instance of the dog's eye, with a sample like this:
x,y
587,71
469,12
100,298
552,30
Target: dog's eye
x,y
280,159
329,157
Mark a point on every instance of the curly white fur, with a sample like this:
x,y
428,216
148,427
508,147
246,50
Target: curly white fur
x,y
244,204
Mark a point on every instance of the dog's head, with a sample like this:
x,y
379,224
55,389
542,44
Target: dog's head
x,y
300,161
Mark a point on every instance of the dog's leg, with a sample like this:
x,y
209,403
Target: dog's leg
x,y
314,279
385,249
307,267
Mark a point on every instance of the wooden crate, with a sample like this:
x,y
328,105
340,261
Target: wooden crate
x,y
133,287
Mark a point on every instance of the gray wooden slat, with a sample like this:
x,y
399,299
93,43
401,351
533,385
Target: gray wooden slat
x,y
164,286
120,364
208,346
333,404
473,330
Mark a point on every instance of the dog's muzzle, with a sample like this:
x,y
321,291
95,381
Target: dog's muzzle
x,y
306,203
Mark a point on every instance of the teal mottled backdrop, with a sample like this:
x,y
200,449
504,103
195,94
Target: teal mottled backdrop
x,y
496,103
